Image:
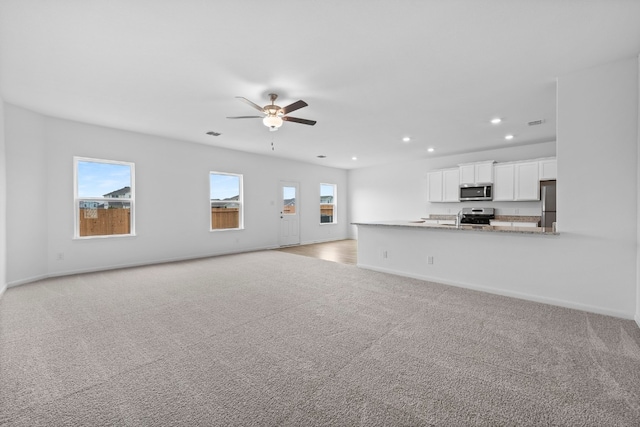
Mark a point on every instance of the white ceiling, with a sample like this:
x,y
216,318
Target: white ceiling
x,y
372,72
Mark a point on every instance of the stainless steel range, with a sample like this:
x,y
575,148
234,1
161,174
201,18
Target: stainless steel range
x,y
476,216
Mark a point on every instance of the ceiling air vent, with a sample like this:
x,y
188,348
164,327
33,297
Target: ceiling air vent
x,y
536,122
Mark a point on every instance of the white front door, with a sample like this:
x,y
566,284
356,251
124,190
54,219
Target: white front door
x,y
289,214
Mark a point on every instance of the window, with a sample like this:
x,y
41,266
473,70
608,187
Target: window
x,y
225,193
328,204
104,198
289,200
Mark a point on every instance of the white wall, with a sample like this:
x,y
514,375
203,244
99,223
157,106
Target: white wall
x,y
399,191
172,192
637,316
27,210
598,144
592,264
3,204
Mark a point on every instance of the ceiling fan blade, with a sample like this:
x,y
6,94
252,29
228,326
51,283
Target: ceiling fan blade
x,y
245,117
293,107
253,104
297,120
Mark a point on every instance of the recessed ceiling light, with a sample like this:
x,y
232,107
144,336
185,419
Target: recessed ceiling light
x,y
508,137
496,120
354,158
406,139
430,149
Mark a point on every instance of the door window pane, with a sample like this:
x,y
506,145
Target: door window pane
x,y
289,200
328,204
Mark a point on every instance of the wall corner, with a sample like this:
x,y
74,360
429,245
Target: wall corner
x,y
3,204
637,315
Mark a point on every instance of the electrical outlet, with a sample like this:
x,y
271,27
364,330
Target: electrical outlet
x,y
430,259
385,255
60,256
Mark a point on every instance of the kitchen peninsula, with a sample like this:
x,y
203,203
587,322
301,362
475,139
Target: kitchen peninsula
x,y
503,260
462,227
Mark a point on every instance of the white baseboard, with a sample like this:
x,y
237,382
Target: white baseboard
x,y
27,280
160,261
519,295
131,265
332,239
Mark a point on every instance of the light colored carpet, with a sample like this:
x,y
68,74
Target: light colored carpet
x,y
271,338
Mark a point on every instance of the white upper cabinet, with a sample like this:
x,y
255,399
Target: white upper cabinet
x,y
512,181
477,173
467,174
517,181
548,169
484,172
451,185
527,181
504,182
434,186
443,185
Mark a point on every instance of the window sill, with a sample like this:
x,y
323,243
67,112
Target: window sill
x,y
109,236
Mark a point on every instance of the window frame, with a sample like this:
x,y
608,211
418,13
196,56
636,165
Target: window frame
x,y
77,199
334,203
240,202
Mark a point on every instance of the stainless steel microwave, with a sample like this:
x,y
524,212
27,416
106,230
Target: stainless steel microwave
x,y
476,192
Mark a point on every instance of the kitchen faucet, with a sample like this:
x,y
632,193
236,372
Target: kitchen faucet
x,y
458,218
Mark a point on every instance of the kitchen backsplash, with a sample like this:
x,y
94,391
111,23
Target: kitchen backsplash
x,y
501,208
510,218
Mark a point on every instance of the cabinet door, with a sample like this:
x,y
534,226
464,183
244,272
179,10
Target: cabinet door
x,y
500,223
548,169
503,187
527,183
467,174
434,186
451,185
484,173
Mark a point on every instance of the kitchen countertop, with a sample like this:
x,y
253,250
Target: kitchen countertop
x,y
463,228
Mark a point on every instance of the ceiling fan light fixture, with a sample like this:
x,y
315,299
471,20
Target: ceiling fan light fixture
x,y
272,122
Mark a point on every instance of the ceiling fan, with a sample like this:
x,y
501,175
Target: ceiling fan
x,y
275,115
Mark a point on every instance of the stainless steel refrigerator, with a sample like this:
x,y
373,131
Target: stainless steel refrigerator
x,y
548,197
